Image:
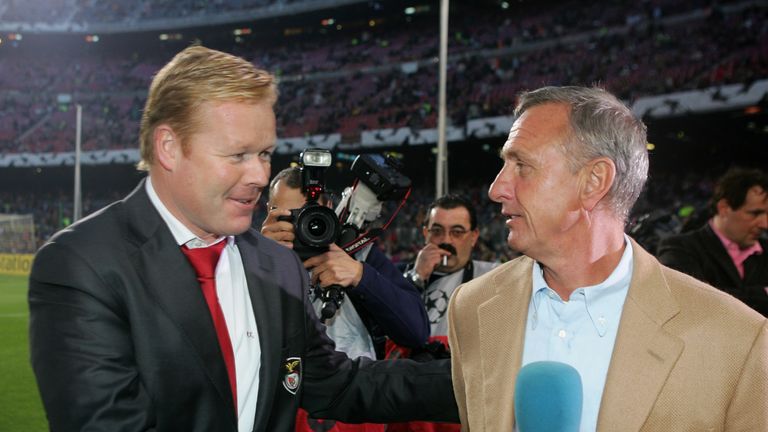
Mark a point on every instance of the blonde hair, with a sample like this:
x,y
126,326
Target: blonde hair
x,y
194,76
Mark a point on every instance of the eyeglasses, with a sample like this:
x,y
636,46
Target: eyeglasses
x,y
455,233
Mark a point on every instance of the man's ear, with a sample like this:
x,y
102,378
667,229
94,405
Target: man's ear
x,y
167,146
475,233
722,206
598,176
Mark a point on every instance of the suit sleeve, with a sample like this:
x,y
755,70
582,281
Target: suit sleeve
x,y
363,390
673,252
748,410
81,348
392,301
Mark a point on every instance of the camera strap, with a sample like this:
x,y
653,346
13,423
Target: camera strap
x,y
361,241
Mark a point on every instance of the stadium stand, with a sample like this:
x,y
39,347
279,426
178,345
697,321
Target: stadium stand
x,y
360,80
363,75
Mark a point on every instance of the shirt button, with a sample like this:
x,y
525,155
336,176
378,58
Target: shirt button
x,y
562,334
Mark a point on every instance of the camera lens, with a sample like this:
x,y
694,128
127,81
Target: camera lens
x,y
317,226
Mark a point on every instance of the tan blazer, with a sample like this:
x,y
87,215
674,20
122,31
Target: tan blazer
x,y
687,357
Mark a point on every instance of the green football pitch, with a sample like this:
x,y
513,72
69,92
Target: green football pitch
x,y
20,406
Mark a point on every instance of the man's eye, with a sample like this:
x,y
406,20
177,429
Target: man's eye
x,y
238,157
265,156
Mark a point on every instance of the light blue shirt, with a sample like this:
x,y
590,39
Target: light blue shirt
x,y
580,332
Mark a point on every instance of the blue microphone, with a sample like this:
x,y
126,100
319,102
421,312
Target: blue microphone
x,y
548,398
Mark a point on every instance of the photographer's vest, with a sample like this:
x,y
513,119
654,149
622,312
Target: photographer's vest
x,y
440,288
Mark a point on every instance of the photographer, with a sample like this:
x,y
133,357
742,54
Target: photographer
x,y
381,302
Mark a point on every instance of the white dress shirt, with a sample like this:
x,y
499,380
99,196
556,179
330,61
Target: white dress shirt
x,y
235,302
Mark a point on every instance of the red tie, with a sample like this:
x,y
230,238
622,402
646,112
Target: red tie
x,y
204,261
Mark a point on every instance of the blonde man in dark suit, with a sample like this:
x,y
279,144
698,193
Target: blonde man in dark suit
x,y
165,312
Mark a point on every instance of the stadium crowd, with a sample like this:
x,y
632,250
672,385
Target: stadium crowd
x,y
127,11
352,80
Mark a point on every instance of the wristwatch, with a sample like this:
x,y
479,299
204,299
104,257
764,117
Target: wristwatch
x,y
415,279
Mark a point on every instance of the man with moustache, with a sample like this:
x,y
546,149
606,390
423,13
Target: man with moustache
x,y
656,350
445,262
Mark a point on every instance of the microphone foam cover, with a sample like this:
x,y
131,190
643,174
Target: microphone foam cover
x,y
548,397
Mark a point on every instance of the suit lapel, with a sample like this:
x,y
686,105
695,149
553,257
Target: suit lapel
x,y
171,280
267,309
644,354
502,323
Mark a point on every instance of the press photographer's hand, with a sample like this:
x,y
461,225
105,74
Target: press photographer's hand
x,y
429,259
280,231
335,267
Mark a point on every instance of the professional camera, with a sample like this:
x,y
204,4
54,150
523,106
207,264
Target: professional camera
x,y
316,226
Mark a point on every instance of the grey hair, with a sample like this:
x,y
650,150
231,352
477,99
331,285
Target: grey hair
x,y
601,126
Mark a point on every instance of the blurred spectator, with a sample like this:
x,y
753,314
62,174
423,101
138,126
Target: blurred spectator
x,y
730,251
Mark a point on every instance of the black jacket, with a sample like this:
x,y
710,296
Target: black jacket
x,y
701,254
121,338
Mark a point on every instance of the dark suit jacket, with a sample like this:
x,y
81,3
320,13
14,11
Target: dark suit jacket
x,y
389,305
701,254
121,338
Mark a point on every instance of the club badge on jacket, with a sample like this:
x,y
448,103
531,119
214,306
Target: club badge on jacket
x,y
292,374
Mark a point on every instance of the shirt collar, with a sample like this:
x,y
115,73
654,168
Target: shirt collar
x,y
603,301
733,248
180,232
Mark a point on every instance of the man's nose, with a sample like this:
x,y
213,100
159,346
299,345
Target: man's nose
x,y
501,187
763,221
257,173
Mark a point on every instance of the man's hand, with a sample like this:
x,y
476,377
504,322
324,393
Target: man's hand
x,y
428,259
335,267
279,231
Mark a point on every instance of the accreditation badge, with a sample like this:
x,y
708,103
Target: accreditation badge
x,y
292,374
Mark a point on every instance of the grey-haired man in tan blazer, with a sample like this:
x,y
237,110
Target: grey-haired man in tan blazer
x,y
656,350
